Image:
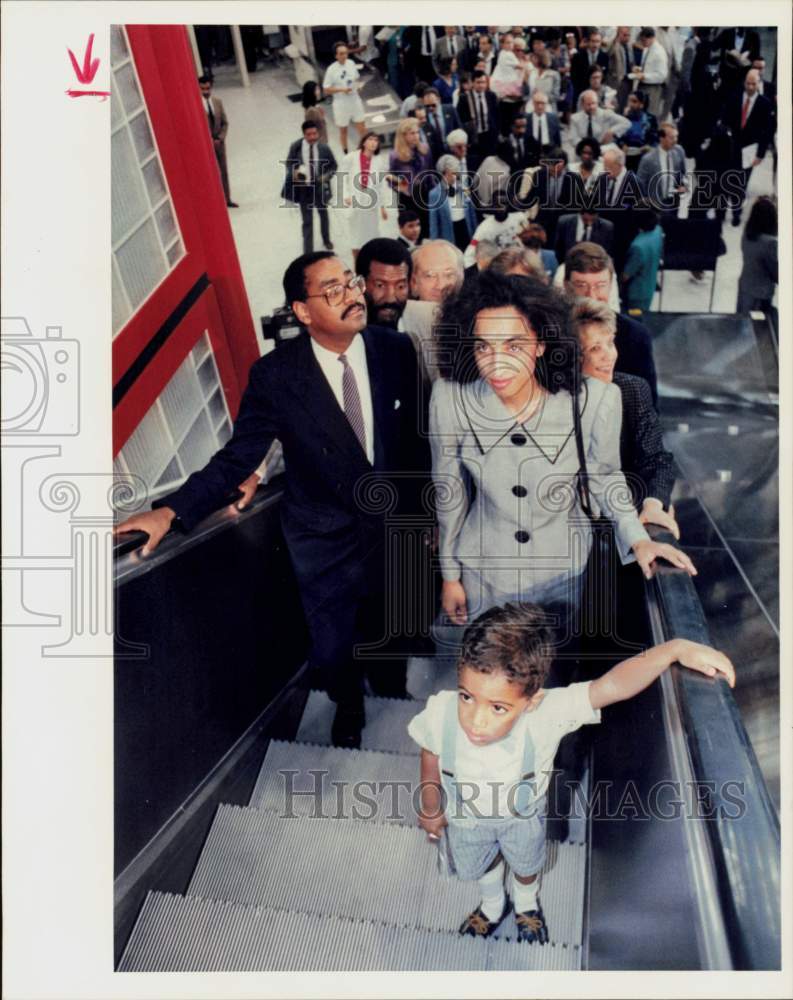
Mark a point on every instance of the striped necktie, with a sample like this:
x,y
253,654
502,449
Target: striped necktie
x,y
352,401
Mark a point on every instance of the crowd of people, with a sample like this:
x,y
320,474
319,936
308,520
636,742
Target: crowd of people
x,y
607,128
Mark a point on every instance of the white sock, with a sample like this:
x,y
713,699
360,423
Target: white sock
x,y
524,897
491,885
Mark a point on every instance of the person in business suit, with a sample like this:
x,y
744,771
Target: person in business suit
x,y
620,64
589,274
218,128
518,149
739,47
619,193
582,227
508,393
594,122
418,45
760,250
478,114
441,120
649,468
748,115
552,190
653,71
310,164
589,54
542,125
452,213
662,171
450,46
343,403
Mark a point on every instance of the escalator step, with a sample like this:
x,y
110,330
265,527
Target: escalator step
x,y
367,871
187,934
386,722
377,785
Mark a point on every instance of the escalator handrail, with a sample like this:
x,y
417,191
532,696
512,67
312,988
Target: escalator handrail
x,y
735,851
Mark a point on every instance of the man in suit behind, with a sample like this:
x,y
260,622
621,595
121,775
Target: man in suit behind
x,y
343,403
478,114
441,120
619,192
552,190
589,55
542,124
218,127
585,226
450,45
748,116
310,164
662,171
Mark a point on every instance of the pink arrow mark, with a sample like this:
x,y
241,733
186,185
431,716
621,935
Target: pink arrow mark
x,y
87,73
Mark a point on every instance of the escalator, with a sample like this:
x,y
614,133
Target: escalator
x,y
248,843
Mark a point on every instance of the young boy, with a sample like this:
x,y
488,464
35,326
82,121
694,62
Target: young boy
x,y
488,750
409,229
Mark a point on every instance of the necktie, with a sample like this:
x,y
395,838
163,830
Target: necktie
x,y
612,190
589,133
520,148
745,112
537,129
352,401
627,52
588,233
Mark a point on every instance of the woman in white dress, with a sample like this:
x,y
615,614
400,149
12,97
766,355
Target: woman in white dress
x,y
364,190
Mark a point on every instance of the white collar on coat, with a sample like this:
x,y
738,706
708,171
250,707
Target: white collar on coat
x,y
548,430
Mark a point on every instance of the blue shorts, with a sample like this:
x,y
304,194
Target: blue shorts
x,y
476,842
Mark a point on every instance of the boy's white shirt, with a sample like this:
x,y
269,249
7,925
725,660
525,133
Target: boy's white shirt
x,y
561,711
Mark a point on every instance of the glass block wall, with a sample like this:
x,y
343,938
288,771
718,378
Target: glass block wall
x,y
146,241
182,430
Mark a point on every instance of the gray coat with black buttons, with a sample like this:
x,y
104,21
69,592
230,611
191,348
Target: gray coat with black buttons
x,y
511,523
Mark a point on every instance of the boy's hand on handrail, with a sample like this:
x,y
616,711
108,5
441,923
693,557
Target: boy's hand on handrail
x,y
155,523
647,552
705,660
652,512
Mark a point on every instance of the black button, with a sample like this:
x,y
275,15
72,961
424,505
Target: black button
x,y
520,491
522,536
518,439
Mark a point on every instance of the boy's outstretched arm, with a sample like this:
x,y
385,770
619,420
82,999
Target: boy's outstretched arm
x,y
632,676
431,818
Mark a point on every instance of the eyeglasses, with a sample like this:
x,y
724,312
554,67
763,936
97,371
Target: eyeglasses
x,y
334,294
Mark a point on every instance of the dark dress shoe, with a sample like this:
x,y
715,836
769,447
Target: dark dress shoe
x,y
232,204
347,726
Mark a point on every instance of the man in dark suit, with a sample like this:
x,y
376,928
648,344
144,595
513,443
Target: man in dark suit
x,y
582,227
618,193
748,116
418,45
588,274
449,46
739,47
518,149
542,124
218,127
588,56
343,403
470,53
478,114
310,164
553,190
441,120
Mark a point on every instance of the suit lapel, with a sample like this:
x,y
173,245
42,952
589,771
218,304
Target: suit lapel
x,y
315,394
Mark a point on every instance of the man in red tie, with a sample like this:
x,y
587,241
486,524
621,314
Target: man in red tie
x,y
748,115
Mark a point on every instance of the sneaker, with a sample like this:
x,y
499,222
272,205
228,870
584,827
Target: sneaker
x,y
477,925
531,927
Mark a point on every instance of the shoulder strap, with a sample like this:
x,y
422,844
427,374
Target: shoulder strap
x,y
582,483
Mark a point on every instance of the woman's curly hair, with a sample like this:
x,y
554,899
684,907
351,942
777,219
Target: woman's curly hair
x,y
546,310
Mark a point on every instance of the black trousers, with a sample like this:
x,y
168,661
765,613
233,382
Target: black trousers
x,y
306,210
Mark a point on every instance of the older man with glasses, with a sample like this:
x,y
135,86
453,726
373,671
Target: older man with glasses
x,y
343,402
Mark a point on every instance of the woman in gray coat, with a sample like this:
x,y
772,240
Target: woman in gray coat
x,y
505,460
760,273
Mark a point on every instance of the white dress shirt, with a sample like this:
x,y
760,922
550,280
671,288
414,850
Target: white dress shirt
x,y
539,128
333,370
655,64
